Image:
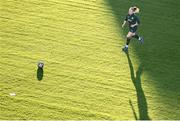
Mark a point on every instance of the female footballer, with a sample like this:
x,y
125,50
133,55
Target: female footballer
x,y
133,21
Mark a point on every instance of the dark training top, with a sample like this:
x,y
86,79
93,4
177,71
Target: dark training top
x,y
132,19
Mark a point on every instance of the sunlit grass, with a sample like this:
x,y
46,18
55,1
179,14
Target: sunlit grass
x,y
86,75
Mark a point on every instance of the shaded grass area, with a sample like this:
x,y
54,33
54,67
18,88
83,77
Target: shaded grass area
x,y
141,98
160,53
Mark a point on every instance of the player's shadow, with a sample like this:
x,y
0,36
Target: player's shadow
x,y
141,98
40,74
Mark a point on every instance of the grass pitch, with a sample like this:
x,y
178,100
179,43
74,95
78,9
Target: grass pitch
x,y
86,75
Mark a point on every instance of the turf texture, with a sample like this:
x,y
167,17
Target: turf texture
x,y
86,75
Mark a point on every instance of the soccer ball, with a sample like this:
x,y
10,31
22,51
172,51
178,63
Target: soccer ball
x,y
40,64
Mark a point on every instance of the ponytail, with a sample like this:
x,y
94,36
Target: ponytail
x,y
135,9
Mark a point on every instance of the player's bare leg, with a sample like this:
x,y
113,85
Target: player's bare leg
x,y
129,36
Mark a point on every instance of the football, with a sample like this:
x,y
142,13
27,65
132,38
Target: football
x,y
40,64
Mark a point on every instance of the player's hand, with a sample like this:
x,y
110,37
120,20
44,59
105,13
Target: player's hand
x,y
134,25
123,26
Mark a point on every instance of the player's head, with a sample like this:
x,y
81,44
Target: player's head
x,y
133,10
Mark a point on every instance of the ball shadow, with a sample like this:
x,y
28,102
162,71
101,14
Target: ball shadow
x,y
40,74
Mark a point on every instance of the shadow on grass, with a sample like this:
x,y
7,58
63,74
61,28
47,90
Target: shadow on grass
x,y
40,74
141,98
160,52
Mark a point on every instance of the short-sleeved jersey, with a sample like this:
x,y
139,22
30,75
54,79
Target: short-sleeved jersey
x,y
132,19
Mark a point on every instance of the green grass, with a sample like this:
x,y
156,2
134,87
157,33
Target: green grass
x,y
86,76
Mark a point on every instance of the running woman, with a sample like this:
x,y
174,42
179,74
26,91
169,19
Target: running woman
x,y
133,21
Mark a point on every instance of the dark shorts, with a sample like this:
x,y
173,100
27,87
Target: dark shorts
x,y
133,29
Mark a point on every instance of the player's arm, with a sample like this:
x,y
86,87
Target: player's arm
x,y
136,24
124,23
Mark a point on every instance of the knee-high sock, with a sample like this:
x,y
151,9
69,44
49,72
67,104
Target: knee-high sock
x,y
128,41
136,36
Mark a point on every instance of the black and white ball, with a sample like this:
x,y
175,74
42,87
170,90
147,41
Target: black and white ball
x,y
40,64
